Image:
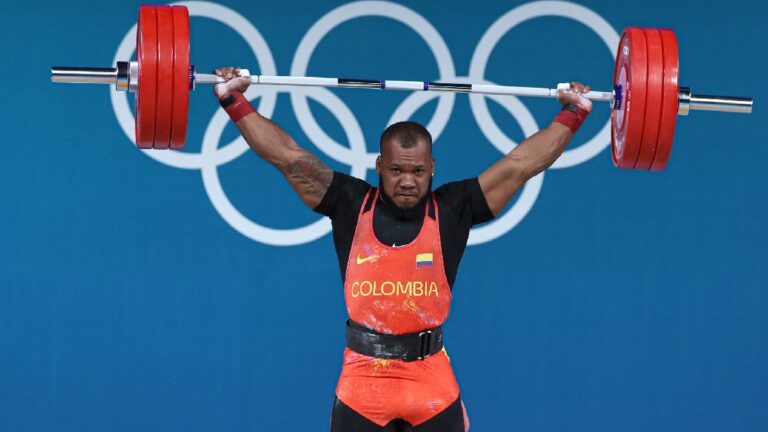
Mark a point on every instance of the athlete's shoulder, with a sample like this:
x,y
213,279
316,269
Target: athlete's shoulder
x,y
464,198
456,190
350,182
344,192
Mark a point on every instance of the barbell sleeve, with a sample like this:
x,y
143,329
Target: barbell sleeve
x,y
689,101
120,75
83,75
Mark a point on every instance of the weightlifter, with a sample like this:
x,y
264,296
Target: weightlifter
x,y
399,246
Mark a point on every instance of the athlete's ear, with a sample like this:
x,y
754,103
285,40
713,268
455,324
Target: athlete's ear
x,y
378,165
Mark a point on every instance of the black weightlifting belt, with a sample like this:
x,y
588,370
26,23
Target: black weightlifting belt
x,y
406,347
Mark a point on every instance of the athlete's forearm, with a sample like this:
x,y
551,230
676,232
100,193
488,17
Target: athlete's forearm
x,y
539,151
266,138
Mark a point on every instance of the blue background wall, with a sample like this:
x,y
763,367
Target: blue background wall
x,y
622,300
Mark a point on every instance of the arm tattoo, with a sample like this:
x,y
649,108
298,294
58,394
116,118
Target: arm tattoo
x,y
310,177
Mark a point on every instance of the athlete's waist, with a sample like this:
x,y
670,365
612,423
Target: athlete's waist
x,y
406,347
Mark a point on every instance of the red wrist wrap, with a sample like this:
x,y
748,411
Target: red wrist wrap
x,y
238,106
570,119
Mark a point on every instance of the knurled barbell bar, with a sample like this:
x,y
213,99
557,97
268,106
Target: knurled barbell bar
x,y
646,98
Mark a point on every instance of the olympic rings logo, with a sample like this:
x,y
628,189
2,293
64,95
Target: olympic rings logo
x,y
212,155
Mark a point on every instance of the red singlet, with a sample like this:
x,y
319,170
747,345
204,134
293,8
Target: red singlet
x,y
397,290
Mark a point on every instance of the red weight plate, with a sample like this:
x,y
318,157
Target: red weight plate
x,y
146,57
627,120
670,100
164,102
653,96
180,77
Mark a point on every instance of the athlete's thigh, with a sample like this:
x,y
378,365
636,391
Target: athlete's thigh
x,y
345,419
451,419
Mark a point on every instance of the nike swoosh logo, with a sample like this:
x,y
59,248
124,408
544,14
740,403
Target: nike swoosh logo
x,y
362,260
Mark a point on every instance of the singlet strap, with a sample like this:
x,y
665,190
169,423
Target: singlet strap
x,y
432,206
370,197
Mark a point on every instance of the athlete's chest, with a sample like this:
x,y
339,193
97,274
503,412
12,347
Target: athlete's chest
x,y
399,289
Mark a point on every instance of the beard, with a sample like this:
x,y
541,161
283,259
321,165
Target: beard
x,y
404,213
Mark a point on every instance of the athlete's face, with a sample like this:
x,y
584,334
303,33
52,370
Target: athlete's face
x,y
405,172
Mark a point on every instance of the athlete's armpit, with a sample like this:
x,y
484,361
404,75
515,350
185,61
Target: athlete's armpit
x,y
309,177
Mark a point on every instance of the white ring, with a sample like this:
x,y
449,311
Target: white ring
x,y
503,25
356,10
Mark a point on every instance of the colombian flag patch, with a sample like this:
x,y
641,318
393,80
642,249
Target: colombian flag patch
x,y
424,260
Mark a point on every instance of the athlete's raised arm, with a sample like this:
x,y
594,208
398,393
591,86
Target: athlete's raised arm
x,y
306,173
501,181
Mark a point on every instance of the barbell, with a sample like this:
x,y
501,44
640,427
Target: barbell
x,y
645,101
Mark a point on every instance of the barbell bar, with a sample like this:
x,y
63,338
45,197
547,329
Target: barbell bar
x,y
645,100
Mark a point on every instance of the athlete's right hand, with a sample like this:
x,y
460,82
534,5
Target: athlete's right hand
x,y
235,81
573,95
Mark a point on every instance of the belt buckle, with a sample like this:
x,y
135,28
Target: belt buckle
x,y
425,344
